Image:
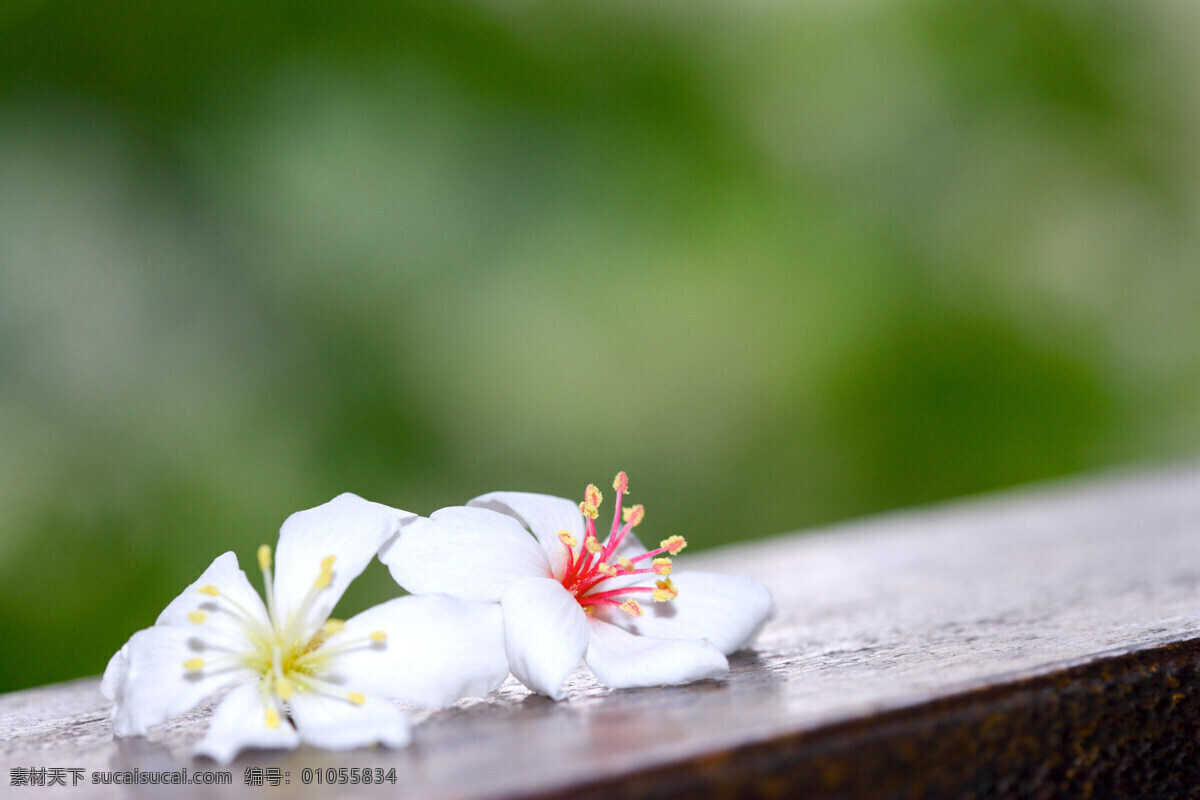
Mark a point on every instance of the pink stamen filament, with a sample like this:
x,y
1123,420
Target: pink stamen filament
x,y
600,578
582,574
602,602
612,535
570,563
648,554
584,565
617,536
590,599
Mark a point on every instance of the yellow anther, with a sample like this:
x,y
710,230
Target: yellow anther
x,y
193,664
631,608
324,579
378,636
271,718
634,515
327,563
589,510
264,563
626,564
605,569
284,688
592,496
209,590
673,544
621,484
197,617
664,591
333,626
592,545
357,698
567,539
661,566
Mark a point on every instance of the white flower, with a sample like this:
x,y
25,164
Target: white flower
x,y
568,598
298,675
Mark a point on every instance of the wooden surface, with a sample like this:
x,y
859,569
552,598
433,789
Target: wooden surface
x,y
1040,641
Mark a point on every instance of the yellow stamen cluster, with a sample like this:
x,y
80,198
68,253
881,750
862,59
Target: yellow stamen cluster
x,y
585,574
664,590
673,544
590,507
287,659
325,576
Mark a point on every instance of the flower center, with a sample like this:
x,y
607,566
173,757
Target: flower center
x,y
590,567
287,655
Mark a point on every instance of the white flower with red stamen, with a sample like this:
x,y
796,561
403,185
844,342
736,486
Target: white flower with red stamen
x,y
299,676
569,598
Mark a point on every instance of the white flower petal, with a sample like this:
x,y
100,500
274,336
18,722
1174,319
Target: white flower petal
x,y
156,686
240,721
222,617
727,610
543,514
112,685
545,633
348,527
471,553
624,661
438,650
336,724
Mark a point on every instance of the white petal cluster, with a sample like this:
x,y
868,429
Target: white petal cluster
x,y
484,552
487,597
298,676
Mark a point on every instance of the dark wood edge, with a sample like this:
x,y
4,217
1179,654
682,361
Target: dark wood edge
x,y
1124,726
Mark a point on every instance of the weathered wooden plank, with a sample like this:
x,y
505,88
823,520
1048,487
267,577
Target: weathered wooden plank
x,y
1041,640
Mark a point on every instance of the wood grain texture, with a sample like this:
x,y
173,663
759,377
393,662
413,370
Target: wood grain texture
x,y
1039,642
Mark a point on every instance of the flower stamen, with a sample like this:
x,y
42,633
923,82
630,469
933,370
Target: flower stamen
x,y
673,544
238,611
590,565
300,616
264,565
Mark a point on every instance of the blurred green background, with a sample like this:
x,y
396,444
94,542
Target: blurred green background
x,y
782,262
